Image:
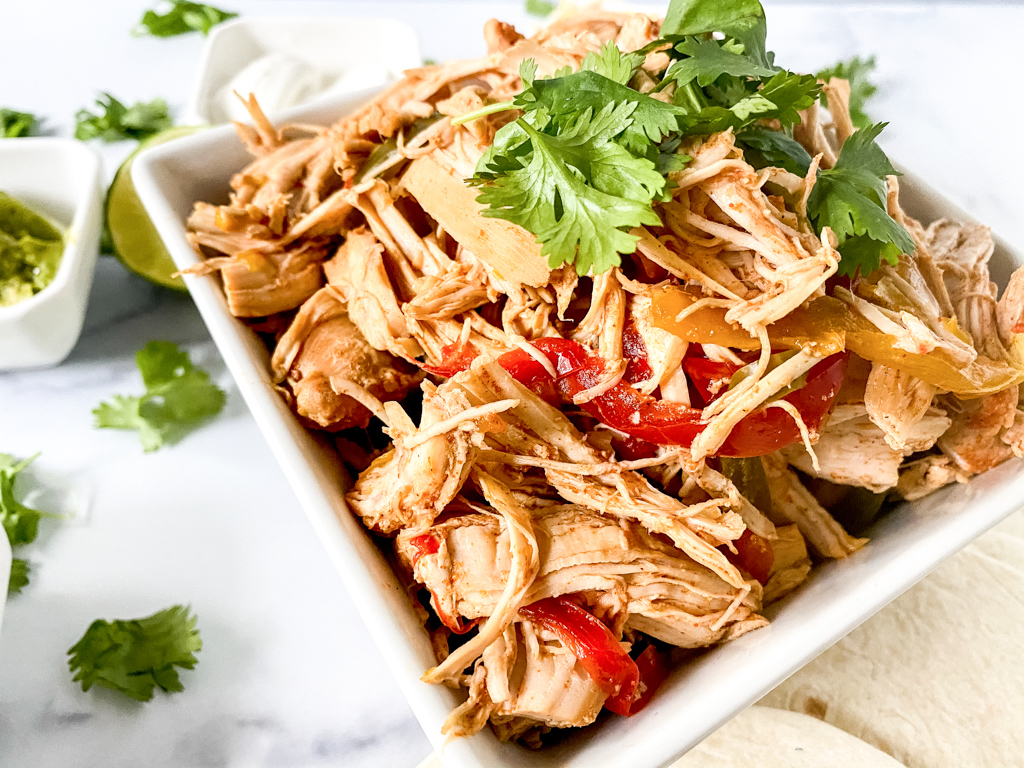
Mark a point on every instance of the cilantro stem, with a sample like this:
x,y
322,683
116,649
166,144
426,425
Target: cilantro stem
x,y
490,109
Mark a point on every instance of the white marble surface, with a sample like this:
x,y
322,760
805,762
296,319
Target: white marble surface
x,y
288,675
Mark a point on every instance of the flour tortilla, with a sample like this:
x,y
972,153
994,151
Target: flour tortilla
x,y
775,738
935,679
763,737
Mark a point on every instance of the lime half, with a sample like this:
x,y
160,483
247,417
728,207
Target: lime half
x,y
135,240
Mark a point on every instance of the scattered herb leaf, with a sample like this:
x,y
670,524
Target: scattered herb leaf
x,y
135,656
850,198
179,397
20,522
15,124
181,18
19,576
114,121
857,71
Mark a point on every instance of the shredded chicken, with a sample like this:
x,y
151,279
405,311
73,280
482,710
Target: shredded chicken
x,y
525,435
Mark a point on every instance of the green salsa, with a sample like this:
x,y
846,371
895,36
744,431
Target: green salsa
x,y
30,251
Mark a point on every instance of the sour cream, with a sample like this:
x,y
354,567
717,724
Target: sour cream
x,y
277,80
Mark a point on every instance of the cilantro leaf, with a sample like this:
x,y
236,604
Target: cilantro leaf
x,y
14,124
178,398
763,147
740,20
19,576
136,656
538,7
707,60
612,63
21,523
182,17
579,191
114,121
565,98
850,198
856,71
781,98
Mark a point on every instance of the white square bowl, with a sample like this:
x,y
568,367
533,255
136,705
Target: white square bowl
x,y
697,698
353,53
60,179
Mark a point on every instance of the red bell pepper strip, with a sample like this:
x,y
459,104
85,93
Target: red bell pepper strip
x,y
666,423
653,667
753,554
598,651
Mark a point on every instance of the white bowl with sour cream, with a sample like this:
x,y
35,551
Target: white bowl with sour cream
x,y
289,61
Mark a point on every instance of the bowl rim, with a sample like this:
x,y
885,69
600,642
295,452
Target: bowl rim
x,y
75,248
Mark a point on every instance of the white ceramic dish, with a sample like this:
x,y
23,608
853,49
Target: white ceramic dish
x,y
353,53
5,572
59,178
697,698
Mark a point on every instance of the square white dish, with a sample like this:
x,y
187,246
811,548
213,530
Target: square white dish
x,y
60,179
353,53
697,698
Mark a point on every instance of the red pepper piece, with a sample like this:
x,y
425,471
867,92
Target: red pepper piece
x,y
598,650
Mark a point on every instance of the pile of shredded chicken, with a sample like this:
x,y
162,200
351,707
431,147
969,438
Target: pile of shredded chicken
x,y
361,280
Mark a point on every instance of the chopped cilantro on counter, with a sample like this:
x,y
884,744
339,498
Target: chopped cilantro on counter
x,y
850,198
856,71
114,121
19,576
21,523
181,18
179,397
15,124
135,656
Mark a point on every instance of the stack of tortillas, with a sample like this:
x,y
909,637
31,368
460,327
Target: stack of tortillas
x,y
935,680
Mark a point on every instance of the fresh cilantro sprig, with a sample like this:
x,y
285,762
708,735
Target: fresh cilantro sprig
x,y
858,72
20,523
579,169
179,397
181,18
135,656
850,199
114,121
580,174
15,124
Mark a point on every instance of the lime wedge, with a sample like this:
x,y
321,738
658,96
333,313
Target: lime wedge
x,y
132,235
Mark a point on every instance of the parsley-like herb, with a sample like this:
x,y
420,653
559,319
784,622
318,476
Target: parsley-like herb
x,y
114,121
136,656
15,124
857,71
580,191
179,397
21,523
182,17
538,7
850,198
19,576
